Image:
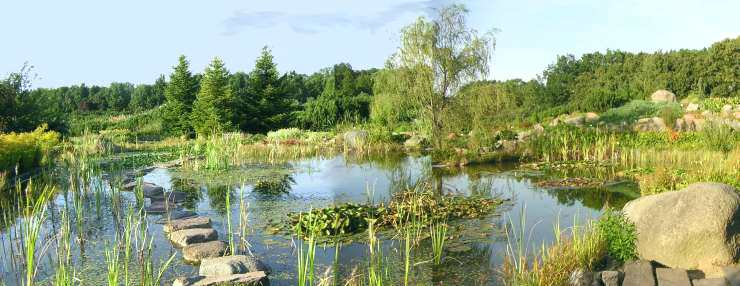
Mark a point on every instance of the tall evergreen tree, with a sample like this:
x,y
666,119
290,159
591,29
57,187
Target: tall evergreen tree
x,y
212,110
273,107
180,94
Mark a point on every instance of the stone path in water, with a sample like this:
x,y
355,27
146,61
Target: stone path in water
x,y
649,273
198,240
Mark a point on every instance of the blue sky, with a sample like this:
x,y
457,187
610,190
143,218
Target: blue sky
x,y
97,42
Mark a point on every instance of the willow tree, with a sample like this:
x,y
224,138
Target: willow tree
x,y
436,58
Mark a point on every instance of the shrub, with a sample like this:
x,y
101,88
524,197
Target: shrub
x,y
629,112
719,137
620,235
27,150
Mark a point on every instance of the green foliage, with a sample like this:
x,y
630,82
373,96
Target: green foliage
x,y
23,110
274,185
620,235
27,150
212,110
180,94
263,105
629,112
720,137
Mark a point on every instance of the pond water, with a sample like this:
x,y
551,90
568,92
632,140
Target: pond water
x,y
474,255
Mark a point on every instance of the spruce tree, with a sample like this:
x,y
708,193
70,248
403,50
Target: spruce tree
x,y
273,107
179,94
212,110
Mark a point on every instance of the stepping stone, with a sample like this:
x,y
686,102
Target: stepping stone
x,y
174,215
229,265
672,277
710,282
196,252
160,207
172,197
151,190
611,278
638,273
185,237
258,278
732,274
188,223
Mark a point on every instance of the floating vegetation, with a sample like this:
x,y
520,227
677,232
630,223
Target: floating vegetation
x,y
274,185
571,183
419,207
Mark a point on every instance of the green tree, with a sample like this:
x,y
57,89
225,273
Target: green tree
x,y
440,56
212,110
273,109
180,94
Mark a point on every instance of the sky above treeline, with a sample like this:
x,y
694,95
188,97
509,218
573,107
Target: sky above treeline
x,y
98,42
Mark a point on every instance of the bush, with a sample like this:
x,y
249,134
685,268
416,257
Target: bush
x,y
719,137
27,150
620,235
629,112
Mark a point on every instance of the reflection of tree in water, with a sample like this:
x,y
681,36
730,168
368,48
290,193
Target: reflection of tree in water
x,y
190,188
595,198
217,196
274,185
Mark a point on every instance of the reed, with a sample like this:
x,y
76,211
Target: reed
x,y
376,272
34,216
112,261
307,255
64,274
438,234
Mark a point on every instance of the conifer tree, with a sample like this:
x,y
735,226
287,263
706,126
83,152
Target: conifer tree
x,y
179,94
212,110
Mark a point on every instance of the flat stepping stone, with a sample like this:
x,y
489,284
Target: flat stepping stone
x,y
172,197
174,215
185,237
672,277
638,273
258,278
188,223
194,253
230,265
161,207
710,282
732,274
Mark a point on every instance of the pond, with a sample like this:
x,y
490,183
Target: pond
x,y
472,256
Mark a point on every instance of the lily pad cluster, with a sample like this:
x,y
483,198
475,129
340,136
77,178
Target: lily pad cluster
x,y
421,208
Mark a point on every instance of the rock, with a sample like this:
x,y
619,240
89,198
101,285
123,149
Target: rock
x,y
187,237
650,124
355,138
732,275
581,278
538,128
172,197
199,251
151,190
258,278
672,277
228,265
611,278
692,107
575,120
639,273
710,282
161,207
591,117
175,214
414,142
507,146
694,228
188,223
663,96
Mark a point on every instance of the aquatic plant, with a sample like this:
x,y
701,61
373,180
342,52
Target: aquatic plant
x,y
64,274
35,214
307,254
554,263
376,272
438,234
620,235
112,261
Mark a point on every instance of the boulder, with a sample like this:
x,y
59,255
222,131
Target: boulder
x,y
650,124
258,278
692,107
591,117
611,278
639,273
575,120
414,142
694,228
672,277
355,138
188,223
732,274
507,146
162,207
172,197
710,282
663,96
229,265
187,237
199,251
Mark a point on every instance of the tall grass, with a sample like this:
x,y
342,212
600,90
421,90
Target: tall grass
x,y
578,249
112,261
307,255
34,216
438,234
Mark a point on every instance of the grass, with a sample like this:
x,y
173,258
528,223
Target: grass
x,y
438,234
581,248
307,255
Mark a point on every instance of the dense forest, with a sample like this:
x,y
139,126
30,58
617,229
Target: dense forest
x,y
263,99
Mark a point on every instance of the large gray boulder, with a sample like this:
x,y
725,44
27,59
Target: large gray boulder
x,y
663,96
694,228
650,124
229,265
188,223
355,138
258,278
186,237
197,252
